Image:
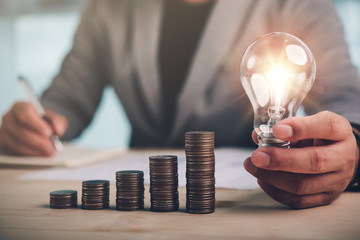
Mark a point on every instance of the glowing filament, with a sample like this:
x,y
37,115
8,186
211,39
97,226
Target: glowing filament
x,y
279,82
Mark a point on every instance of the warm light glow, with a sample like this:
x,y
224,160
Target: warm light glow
x,y
279,82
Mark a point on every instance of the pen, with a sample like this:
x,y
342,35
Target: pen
x,y
41,111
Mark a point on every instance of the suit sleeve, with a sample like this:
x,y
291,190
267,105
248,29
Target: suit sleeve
x,y
76,91
337,84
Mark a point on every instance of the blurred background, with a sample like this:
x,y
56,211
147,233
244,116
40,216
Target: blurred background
x,y
35,35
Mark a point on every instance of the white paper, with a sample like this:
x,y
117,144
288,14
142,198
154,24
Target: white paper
x,y
229,170
70,156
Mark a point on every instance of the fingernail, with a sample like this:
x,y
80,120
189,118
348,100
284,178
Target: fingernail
x,y
261,159
284,131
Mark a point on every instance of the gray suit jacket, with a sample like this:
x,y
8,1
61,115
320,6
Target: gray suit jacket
x,y
117,44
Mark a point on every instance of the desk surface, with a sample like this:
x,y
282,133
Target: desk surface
x,y
24,214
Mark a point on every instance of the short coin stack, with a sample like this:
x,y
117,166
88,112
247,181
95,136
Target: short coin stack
x,y
200,171
164,183
63,199
95,194
129,190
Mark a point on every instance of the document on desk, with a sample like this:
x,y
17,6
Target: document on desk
x,y
229,170
71,156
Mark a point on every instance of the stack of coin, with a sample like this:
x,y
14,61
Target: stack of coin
x,y
129,190
200,172
95,194
63,199
164,183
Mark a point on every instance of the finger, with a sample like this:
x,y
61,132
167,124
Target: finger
x,y
58,122
314,159
324,125
299,184
25,114
14,146
27,137
254,137
297,201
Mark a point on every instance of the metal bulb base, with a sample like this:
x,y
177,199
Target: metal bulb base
x,y
272,142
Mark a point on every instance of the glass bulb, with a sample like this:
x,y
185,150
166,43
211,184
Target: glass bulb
x,y
277,71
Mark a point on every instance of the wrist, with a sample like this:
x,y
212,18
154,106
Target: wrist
x,y
355,182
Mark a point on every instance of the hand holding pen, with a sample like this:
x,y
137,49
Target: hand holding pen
x,y
28,129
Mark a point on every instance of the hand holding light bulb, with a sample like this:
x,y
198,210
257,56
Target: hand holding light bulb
x,y
323,156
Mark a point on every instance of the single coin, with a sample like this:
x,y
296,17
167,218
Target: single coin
x,y
89,183
63,192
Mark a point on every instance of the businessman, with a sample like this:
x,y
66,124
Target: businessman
x,y
175,67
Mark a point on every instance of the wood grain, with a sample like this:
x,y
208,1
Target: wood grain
x,y
25,214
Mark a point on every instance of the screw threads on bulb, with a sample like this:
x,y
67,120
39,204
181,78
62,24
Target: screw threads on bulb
x,y
272,142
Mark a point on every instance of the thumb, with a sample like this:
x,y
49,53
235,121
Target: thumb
x,y
323,125
58,122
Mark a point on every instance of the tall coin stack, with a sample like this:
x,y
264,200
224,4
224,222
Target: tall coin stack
x,y
63,199
129,190
95,194
164,183
200,172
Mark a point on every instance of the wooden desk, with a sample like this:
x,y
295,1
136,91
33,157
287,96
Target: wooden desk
x,y
24,214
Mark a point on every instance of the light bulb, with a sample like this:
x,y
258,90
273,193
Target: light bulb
x,y
277,71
